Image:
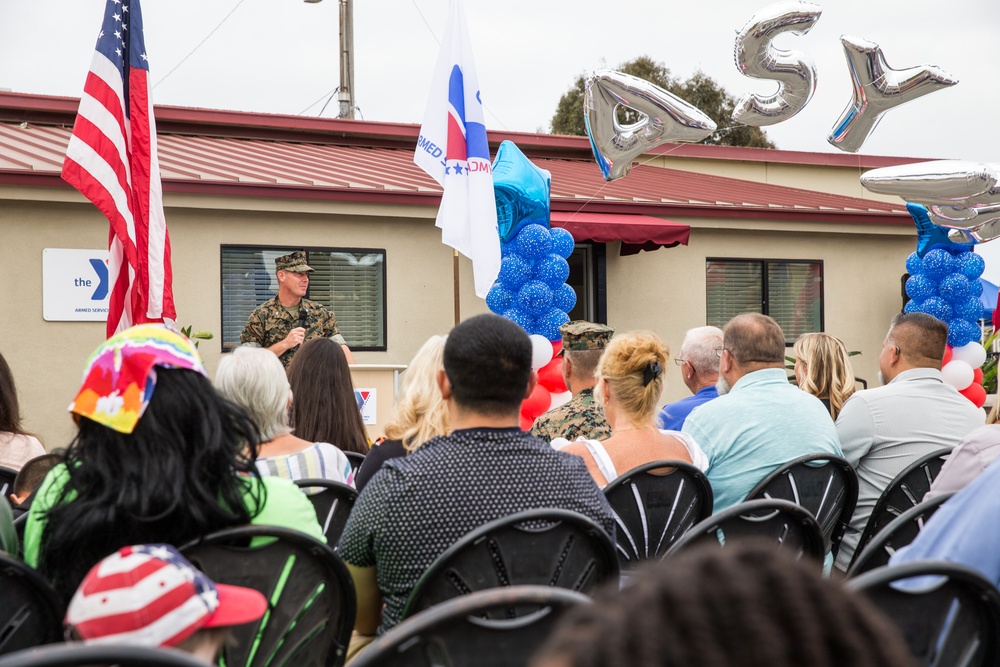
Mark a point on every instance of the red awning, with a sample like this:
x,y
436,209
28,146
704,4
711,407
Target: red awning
x,y
636,232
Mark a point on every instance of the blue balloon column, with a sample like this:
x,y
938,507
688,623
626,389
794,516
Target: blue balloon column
x,y
944,282
531,289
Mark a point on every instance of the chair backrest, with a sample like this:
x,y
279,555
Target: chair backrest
x,y
333,502
901,531
548,547
906,490
653,506
950,619
500,626
78,655
30,612
309,590
355,459
824,484
7,477
782,522
9,542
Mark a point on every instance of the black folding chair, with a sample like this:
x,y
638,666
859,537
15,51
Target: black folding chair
x,y
310,595
355,459
784,523
953,618
30,611
824,484
500,626
548,547
333,502
78,655
7,477
9,542
654,505
906,490
900,532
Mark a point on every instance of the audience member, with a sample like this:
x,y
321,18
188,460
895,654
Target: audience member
x,y
419,414
159,456
759,421
29,478
150,595
747,605
885,429
967,461
487,468
629,386
17,446
582,345
700,371
325,408
254,379
823,368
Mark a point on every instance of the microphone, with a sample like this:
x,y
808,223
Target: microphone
x,y
302,317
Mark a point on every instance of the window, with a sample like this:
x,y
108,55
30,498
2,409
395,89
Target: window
x,y
789,291
588,278
348,281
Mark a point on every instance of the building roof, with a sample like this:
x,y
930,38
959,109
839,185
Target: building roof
x,y
264,155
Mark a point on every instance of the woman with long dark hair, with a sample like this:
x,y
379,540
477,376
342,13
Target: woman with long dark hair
x,y
324,408
17,447
159,456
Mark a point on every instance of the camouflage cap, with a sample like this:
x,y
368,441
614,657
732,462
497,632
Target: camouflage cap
x,y
583,335
293,261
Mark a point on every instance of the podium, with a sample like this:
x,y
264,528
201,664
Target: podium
x,y
375,388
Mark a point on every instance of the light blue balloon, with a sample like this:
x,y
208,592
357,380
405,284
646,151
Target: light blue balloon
x,y
938,263
499,298
521,319
521,190
914,264
969,309
552,270
563,242
514,272
937,307
954,287
533,241
920,287
970,265
547,325
564,298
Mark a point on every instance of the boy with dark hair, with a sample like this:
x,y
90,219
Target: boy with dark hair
x,y
28,479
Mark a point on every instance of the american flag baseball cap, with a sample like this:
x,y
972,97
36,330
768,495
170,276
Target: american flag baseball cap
x,y
150,595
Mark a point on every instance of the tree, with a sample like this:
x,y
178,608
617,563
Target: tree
x,y
700,91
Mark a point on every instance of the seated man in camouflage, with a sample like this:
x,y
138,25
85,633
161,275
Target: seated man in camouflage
x,y
283,323
583,344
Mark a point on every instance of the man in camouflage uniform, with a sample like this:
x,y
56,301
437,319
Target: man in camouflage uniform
x,y
583,344
283,323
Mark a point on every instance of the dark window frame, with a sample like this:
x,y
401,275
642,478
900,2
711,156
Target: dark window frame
x,y
597,308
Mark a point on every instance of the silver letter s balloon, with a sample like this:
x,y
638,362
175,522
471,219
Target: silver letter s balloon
x,y
878,88
668,118
794,71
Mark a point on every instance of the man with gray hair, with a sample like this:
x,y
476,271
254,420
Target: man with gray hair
x,y
760,421
699,370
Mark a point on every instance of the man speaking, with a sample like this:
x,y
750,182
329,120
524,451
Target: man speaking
x,y
283,323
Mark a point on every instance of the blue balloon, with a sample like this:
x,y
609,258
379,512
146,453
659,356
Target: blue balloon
x,y
533,241
962,332
564,298
914,264
548,324
968,309
499,298
520,318
970,265
514,272
920,287
535,298
506,249
937,307
954,287
912,307
552,270
938,263
975,288
563,242
521,191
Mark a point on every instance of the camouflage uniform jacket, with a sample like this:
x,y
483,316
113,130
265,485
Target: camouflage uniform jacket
x,y
269,323
581,416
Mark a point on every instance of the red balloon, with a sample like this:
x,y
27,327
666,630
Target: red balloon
x,y
975,393
947,354
550,376
977,376
556,347
526,423
536,403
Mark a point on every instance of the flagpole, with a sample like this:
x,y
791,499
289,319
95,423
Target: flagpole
x,y
458,309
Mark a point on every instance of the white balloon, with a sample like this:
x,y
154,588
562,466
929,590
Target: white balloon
x,y
958,374
973,354
561,399
541,351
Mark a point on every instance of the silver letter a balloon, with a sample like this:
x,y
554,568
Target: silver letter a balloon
x,y
668,118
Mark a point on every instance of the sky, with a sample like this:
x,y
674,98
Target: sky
x,y
281,56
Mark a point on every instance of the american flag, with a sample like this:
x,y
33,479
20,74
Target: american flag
x,y
111,160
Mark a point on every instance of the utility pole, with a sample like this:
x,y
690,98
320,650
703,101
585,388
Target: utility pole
x,y
345,93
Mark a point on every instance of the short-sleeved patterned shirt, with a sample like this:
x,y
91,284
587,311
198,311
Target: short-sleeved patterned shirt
x,y
581,417
420,504
270,322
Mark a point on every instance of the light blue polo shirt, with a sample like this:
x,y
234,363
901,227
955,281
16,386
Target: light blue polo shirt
x,y
762,423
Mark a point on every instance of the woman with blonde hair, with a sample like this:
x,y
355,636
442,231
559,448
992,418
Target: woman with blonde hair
x,y
419,415
629,384
823,369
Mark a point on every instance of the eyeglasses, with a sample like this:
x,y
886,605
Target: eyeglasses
x,y
680,362
718,351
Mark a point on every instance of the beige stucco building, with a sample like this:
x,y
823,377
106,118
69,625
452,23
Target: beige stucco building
x,y
240,188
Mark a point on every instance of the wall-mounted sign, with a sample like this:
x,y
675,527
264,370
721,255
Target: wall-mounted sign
x,y
366,403
74,285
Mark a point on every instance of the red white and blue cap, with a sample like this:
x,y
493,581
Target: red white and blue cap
x,y
150,595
